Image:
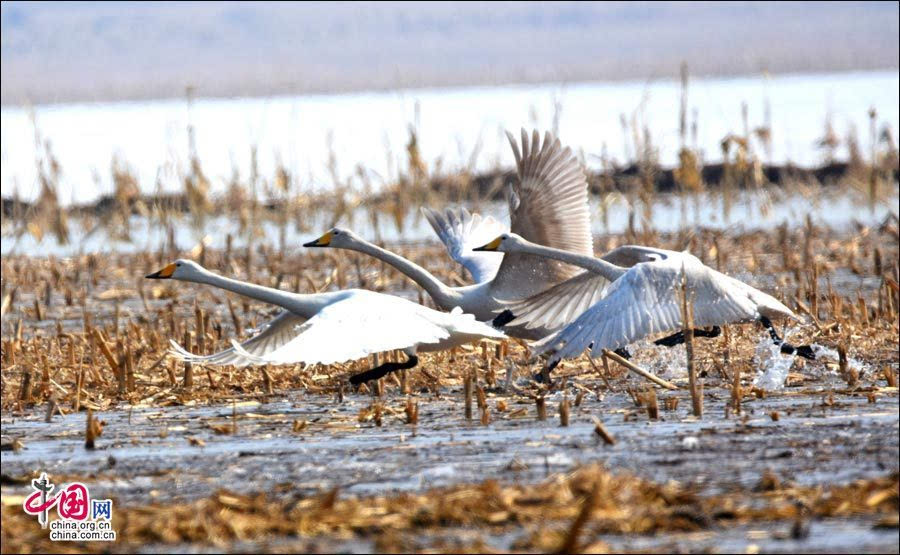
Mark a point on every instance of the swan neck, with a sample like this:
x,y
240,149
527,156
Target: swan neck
x,y
302,305
444,296
596,265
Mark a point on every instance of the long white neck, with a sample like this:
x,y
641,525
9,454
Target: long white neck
x,y
302,305
445,297
596,265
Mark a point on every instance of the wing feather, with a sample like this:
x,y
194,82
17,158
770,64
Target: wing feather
x,y
548,206
460,232
365,323
276,333
645,301
357,325
559,305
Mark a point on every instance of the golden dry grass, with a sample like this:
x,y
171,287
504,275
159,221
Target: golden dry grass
x,y
95,319
566,513
89,333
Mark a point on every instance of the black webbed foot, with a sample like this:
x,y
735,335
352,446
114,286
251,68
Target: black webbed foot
x,y
804,351
714,331
383,370
677,338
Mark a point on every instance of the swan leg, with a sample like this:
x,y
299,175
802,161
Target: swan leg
x,y
384,369
804,351
544,375
677,338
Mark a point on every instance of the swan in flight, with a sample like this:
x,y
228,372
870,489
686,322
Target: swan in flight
x,y
548,204
643,300
332,327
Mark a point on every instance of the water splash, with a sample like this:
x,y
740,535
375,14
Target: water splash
x,y
665,362
773,366
825,353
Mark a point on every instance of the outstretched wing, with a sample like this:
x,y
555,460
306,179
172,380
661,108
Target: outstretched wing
x,y
548,205
645,301
558,305
277,333
358,325
561,304
460,232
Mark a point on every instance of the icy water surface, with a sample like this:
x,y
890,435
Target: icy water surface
x,y
748,211
457,127
172,454
145,453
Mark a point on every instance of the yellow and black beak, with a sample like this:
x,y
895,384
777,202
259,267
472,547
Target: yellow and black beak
x,y
165,273
492,246
322,241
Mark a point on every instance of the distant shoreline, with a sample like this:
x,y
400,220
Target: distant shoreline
x,y
199,93
492,185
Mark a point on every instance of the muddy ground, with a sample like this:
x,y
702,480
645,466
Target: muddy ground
x,y
822,436
292,460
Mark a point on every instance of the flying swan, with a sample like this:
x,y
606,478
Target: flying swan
x,y
332,327
548,204
644,300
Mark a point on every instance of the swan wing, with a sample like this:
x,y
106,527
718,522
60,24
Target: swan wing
x,y
647,300
460,232
359,325
275,334
558,305
549,206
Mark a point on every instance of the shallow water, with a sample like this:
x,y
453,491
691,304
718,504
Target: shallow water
x,y
839,210
457,127
145,450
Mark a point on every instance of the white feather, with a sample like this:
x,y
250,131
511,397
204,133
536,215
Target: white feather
x,y
333,327
647,300
461,232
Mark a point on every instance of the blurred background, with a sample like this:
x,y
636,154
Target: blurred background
x,y
99,51
194,107
759,136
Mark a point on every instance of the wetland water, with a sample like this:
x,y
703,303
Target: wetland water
x,y
169,448
747,211
145,451
457,128
144,454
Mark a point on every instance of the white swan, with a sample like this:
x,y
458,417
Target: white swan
x,y
548,204
332,327
644,300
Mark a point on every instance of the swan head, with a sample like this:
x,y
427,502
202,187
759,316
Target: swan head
x,y
181,269
337,237
506,242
